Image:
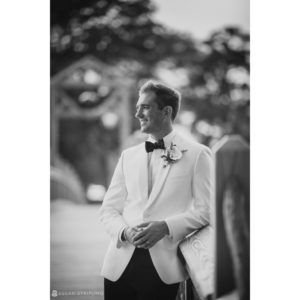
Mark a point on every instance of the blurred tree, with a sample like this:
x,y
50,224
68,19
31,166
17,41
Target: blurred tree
x,y
111,30
218,87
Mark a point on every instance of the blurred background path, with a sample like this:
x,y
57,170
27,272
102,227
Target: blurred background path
x,y
78,245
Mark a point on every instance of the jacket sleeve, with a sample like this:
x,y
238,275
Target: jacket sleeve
x,y
113,204
199,211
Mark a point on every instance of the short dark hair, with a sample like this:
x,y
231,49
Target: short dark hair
x,y
165,96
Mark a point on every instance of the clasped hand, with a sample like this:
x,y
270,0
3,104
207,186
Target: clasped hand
x,y
146,235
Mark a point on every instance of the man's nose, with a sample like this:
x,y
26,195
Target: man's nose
x,y
138,113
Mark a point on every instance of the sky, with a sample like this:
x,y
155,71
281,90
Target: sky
x,y
201,17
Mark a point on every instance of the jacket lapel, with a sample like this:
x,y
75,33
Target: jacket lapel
x,y
160,180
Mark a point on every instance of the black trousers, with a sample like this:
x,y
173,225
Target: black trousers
x,y
139,281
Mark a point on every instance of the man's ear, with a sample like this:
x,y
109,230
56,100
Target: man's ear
x,y
168,111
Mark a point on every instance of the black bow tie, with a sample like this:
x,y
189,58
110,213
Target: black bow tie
x,y
152,146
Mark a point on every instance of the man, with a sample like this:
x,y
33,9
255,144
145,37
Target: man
x,y
160,192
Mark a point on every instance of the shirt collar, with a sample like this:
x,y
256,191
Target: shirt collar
x,y
167,139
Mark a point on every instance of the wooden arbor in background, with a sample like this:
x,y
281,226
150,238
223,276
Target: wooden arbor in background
x,y
217,257
88,90
109,87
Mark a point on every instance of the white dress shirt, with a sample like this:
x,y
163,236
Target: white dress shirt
x,y
155,159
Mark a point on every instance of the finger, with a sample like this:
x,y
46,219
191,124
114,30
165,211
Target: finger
x,y
142,225
133,232
148,244
141,241
144,244
140,235
147,240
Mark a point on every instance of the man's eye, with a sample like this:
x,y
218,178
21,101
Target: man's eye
x,y
142,108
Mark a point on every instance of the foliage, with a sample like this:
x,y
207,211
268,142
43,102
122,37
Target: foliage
x,y
111,30
218,87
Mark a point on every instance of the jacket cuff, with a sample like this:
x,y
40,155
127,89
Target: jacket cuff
x,y
170,235
177,228
120,241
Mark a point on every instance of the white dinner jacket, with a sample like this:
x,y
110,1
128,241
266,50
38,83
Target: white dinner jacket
x,y
181,196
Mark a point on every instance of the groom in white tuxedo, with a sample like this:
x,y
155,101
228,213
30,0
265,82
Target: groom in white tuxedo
x,y
160,192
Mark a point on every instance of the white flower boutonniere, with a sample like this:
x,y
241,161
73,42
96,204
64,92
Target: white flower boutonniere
x,y
172,154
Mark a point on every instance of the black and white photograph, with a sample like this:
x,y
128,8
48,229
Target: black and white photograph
x,y
149,150
132,163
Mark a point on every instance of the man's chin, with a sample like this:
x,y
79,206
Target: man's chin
x,y
144,129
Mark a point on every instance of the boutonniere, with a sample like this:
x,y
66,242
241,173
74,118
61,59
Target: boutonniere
x,y
172,154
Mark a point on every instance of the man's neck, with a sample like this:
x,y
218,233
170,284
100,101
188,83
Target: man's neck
x,y
160,135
